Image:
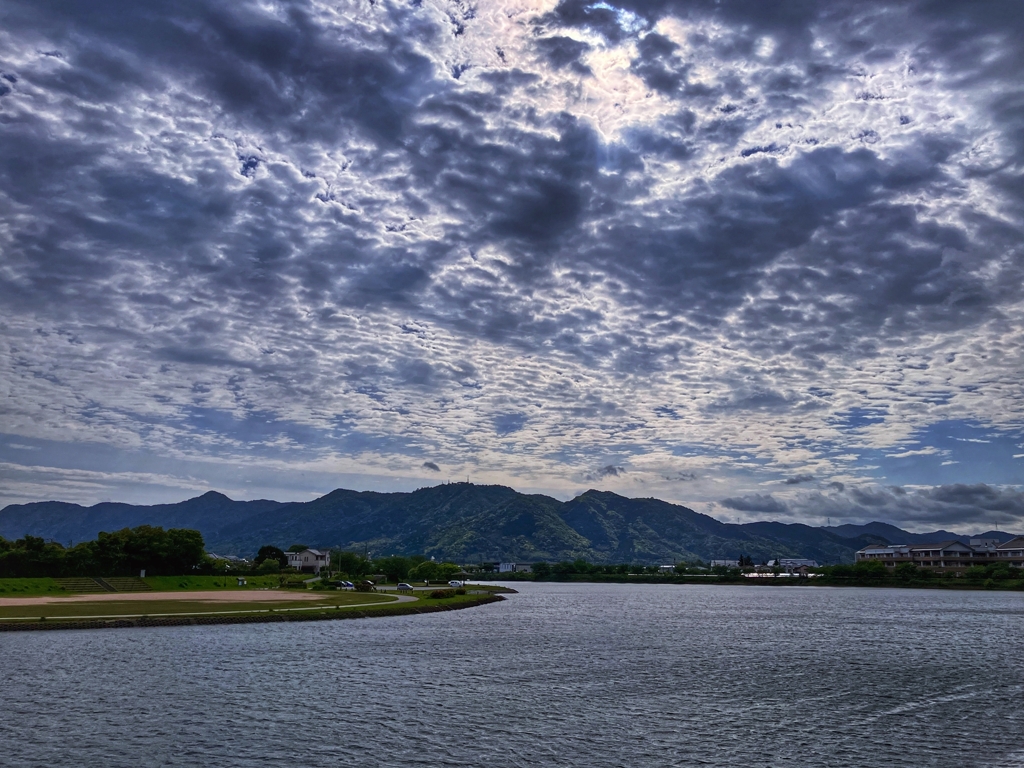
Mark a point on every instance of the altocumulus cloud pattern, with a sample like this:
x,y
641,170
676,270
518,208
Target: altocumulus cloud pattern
x,y
761,258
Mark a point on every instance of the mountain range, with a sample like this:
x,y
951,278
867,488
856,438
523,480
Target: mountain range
x,y
466,522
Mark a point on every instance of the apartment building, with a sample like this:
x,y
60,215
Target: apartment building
x,y
951,555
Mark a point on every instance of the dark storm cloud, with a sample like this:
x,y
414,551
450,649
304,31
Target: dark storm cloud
x,y
797,479
605,472
758,503
257,66
431,466
959,506
657,64
564,52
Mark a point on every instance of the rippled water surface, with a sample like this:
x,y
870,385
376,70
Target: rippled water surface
x,y
558,675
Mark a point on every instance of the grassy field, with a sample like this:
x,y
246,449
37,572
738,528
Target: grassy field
x,y
192,583
89,609
43,587
29,588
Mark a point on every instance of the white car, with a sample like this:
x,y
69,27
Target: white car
x,y
454,583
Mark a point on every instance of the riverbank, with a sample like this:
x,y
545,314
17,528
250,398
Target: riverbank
x,y
321,613
920,581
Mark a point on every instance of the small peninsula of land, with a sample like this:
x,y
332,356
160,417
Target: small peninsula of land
x,y
48,604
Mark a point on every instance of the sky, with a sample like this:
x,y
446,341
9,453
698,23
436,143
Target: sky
x,y
762,259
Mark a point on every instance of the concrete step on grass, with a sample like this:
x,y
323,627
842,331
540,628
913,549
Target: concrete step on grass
x,y
128,584
83,584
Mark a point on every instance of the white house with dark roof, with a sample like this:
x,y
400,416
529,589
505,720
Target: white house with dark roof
x,y
309,560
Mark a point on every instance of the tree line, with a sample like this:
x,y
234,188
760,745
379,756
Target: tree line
x,y
174,552
581,567
271,559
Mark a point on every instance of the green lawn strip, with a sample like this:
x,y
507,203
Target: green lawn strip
x,y
331,601
30,588
195,583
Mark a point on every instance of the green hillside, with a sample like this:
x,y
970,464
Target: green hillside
x,y
457,521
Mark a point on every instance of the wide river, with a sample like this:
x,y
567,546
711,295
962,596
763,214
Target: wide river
x,y
558,675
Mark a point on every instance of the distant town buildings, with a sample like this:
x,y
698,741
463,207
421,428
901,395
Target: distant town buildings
x,y
949,555
309,560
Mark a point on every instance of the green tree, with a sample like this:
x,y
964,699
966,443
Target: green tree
x,y
447,570
906,571
428,570
270,552
351,564
541,570
870,568
270,565
395,568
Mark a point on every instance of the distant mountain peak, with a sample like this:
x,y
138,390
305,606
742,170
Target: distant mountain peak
x,y
595,492
213,496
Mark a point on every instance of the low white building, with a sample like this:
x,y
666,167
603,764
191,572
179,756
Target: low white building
x,y
309,560
725,563
515,568
951,555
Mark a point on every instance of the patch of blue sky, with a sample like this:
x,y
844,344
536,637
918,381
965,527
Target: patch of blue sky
x,y
858,418
508,423
266,435
255,428
667,412
953,451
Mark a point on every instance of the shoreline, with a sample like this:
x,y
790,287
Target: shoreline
x,y
386,610
936,583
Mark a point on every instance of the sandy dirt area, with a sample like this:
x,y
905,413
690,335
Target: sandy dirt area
x,y
227,596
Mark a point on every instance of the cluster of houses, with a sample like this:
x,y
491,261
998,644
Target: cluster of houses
x,y
949,555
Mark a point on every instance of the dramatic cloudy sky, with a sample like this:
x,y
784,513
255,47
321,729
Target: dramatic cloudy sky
x,y
762,258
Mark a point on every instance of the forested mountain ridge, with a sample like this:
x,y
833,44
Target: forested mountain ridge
x,y
463,522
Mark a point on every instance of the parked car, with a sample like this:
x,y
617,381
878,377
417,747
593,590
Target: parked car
x,y
403,587
454,583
